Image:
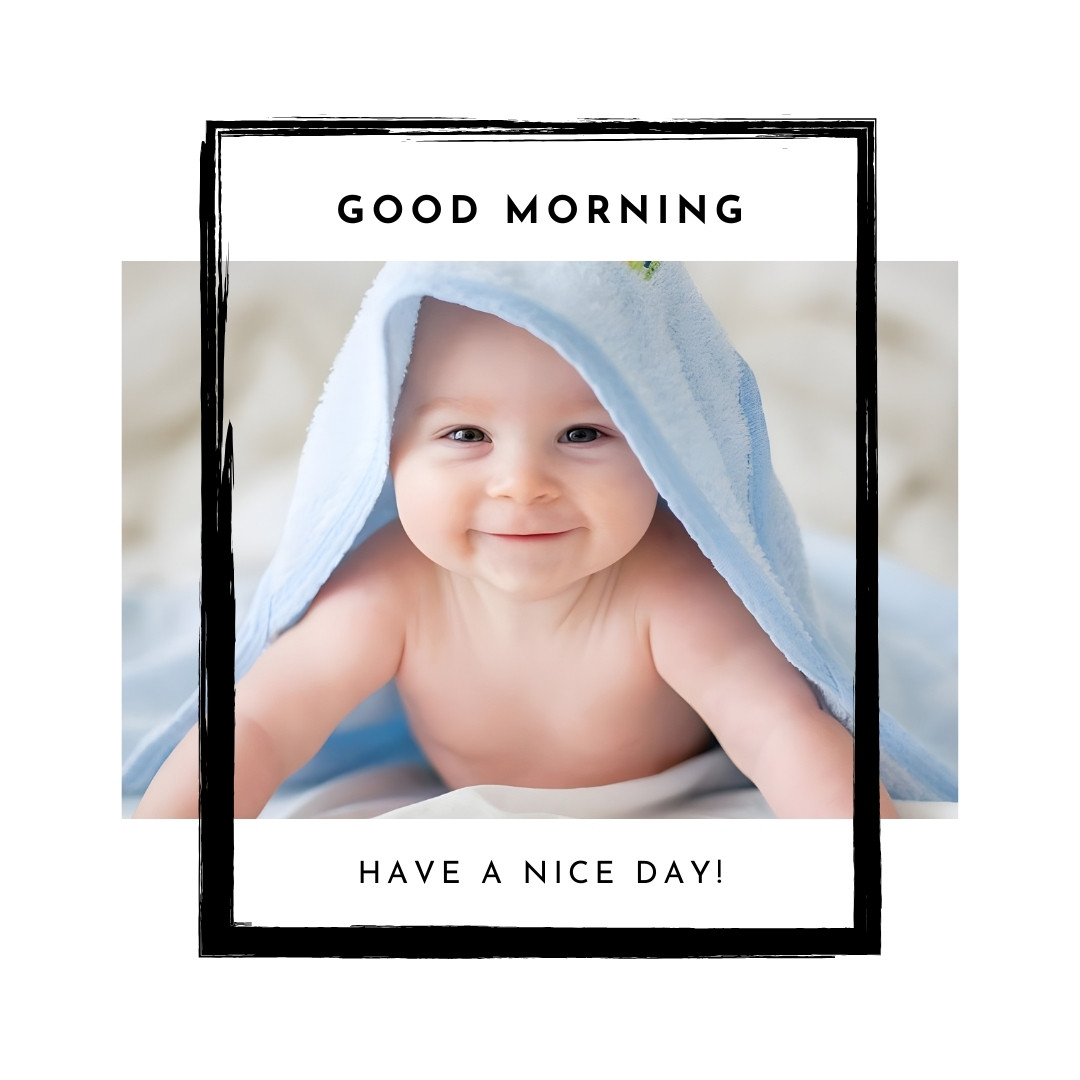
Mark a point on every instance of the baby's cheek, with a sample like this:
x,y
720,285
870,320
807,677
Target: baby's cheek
x,y
412,496
635,491
430,523
629,514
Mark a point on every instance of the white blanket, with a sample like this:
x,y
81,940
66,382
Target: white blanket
x,y
698,788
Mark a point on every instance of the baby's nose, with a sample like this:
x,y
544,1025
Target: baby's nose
x,y
521,476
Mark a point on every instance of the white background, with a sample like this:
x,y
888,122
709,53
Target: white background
x,y
101,912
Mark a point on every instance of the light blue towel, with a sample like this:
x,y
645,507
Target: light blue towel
x,y
656,358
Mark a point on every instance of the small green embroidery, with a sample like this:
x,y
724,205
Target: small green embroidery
x,y
645,269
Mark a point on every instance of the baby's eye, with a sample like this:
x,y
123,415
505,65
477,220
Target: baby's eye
x,y
581,435
466,434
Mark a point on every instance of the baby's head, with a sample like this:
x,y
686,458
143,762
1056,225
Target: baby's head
x,y
507,469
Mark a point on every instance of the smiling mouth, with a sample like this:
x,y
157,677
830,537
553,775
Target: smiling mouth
x,y
530,536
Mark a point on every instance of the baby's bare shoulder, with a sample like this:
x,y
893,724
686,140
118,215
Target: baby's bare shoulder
x,y
384,571
667,558
704,641
347,644
680,593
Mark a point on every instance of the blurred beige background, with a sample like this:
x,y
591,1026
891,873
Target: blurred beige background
x,y
794,324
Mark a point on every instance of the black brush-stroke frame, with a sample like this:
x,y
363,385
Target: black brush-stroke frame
x,y
219,933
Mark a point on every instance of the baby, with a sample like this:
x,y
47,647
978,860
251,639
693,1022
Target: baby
x,y
547,623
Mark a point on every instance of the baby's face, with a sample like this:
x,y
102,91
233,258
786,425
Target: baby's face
x,y
507,469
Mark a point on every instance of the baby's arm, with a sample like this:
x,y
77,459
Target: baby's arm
x,y
712,652
347,645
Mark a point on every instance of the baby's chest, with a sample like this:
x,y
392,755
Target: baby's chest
x,y
572,690
575,712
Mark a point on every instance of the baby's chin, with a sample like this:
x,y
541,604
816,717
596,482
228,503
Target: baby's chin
x,y
531,584
517,580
